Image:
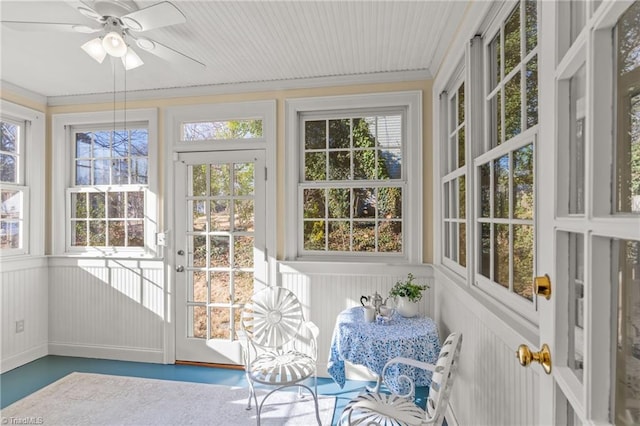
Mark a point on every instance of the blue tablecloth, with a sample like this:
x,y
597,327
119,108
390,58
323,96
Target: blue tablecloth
x,y
372,345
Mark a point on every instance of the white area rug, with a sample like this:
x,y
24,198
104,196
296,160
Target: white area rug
x,y
96,399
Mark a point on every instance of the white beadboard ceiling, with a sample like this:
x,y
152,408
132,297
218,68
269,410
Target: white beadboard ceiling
x,y
240,42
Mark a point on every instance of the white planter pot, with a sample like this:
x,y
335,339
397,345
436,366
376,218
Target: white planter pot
x,y
406,308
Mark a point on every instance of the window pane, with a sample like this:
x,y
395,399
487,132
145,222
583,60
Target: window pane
x,y
97,233
523,183
79,233
512,108
445,199
575,339
11,216
339,236
364,236
79,205
501,187
339,133
495,116
390,164
364,132
116,205
485,250
390,236
83,145
339,202
532,92
462,205
199,246
83,172
116,233
364,164
523,260
101,142
199,215
243,179
10,134
198,180
243,215
96,205
390,203
314,235
512,41
485,190
461,104
315,134
339,165
495,53
628,116
139,142
8,172
531,24
220,251
315,166
139,171
135,205
501,254
461,147
576,179
462,244
363,202
120,144
231,129
243,252
220,216
220,181
120,172
313,204
101,172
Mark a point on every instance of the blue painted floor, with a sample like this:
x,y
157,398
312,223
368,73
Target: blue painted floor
x,y
24,380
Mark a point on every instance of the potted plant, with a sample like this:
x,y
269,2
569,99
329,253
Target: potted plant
x,y
406,295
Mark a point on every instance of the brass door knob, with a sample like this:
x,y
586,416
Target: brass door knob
x,y
542,286
525,356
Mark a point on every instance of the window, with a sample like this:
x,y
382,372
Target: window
x,y
454,180
14,195
357,177
352,183
110,184
217,130
107,199
504,168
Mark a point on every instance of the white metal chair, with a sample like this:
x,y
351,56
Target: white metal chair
x,y
386,409
279,346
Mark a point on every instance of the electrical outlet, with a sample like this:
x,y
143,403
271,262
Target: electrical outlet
x,y
19,326
161,239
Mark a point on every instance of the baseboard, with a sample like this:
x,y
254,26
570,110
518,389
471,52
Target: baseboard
x,y
107,352
23,358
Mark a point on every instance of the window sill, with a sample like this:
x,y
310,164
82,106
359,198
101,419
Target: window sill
x,y
329,267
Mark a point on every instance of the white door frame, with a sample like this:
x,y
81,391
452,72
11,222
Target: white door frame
x,y
174,144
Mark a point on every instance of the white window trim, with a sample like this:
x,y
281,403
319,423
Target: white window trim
x,y
412,228
63,151
33,179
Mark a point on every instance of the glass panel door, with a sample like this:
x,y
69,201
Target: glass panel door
x,y
219,251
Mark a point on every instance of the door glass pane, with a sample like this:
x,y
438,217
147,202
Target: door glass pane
x,y
575,341
626,271
523,260
221,205
577,87
627,150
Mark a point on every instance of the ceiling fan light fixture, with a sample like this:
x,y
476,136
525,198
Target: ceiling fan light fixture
x,y
145,43
131,60
95,50
114,44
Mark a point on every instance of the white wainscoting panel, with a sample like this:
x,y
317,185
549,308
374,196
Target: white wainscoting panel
x,y
23,297
327,289
491,388
107,308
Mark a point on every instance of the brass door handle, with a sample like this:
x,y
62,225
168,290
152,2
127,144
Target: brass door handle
x,y
525,356
542,286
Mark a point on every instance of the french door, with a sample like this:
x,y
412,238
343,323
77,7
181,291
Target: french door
x,y
589,214
219,250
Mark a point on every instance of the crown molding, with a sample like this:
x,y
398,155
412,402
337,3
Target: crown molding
x,y
6,87
249,87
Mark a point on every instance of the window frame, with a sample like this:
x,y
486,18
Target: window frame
x,y
29,178
64,181
450,174
411,103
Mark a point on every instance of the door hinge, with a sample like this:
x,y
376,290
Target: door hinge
x,y
265,173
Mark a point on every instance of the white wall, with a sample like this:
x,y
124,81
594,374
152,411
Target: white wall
x,y
107,308
24,294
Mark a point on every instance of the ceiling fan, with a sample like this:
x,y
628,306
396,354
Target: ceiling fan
x,y
120,22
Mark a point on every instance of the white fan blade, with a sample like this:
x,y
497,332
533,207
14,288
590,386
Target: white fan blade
x,y
156,16
50,26
85,9
167,53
